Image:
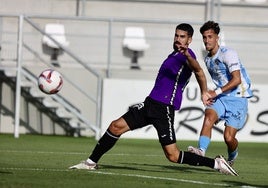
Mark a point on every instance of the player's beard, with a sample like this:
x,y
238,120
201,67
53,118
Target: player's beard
x,y
175,48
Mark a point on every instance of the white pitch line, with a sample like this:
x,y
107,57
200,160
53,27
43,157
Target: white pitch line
x,y
35,169
71,153
117,174
162,178
43,152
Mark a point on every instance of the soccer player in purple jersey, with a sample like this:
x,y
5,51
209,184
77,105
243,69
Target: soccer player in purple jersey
x,y
229,99
159,108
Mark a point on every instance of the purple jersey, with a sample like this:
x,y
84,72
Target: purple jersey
x,y
173,76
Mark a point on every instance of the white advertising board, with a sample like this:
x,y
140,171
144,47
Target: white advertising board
x,y
119,94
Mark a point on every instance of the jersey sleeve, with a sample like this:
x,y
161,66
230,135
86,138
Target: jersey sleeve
x,y
232,60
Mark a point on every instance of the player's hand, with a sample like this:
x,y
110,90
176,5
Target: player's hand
x,y
207,99
183,49
212,94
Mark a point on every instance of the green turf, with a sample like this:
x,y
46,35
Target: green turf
x,y
43,161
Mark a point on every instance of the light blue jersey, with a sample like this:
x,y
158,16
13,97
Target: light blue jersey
x,y
221,65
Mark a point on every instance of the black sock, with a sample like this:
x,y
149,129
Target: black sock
x,y
195,160
106,142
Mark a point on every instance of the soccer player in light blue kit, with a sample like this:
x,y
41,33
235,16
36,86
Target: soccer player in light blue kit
x,y
159,108
229,101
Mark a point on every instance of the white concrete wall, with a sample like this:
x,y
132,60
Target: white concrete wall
x,y
120,94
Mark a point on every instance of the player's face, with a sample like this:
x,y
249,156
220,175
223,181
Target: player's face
x,y
181,38
210,40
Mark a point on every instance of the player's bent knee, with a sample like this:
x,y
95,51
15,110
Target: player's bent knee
x,y
229,139
117,128
208,122
172,158
114,128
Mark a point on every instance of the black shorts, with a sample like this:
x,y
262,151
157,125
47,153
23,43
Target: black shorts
x,y
160,115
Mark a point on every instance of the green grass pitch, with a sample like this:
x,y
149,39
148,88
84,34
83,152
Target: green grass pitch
x,y
43,161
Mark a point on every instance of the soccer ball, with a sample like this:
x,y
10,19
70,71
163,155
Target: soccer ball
x,y
50,81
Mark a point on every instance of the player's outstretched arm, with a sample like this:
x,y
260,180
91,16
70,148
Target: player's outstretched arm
x,y
199,73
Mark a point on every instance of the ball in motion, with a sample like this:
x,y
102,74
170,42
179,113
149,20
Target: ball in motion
x,y
50,81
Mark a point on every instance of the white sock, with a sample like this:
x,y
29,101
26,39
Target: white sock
x,y
90,161
216,165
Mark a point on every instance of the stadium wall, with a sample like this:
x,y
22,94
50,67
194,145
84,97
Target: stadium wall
x,y
119,94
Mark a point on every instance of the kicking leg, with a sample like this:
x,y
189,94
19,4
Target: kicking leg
x,y
106,142
173,154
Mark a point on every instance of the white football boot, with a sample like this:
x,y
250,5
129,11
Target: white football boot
x,y
85,165
224,167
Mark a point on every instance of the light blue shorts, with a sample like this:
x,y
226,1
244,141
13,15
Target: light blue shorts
x,y
233,110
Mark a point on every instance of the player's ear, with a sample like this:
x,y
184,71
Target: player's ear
x,y
189,40
217,39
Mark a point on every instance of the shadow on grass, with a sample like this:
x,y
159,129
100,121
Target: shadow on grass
x,y
244,184
5,172
157,168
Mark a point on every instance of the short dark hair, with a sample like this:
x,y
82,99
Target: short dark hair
x,y
186,27
210,25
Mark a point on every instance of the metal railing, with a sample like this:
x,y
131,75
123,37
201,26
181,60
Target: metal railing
x,y
20,72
